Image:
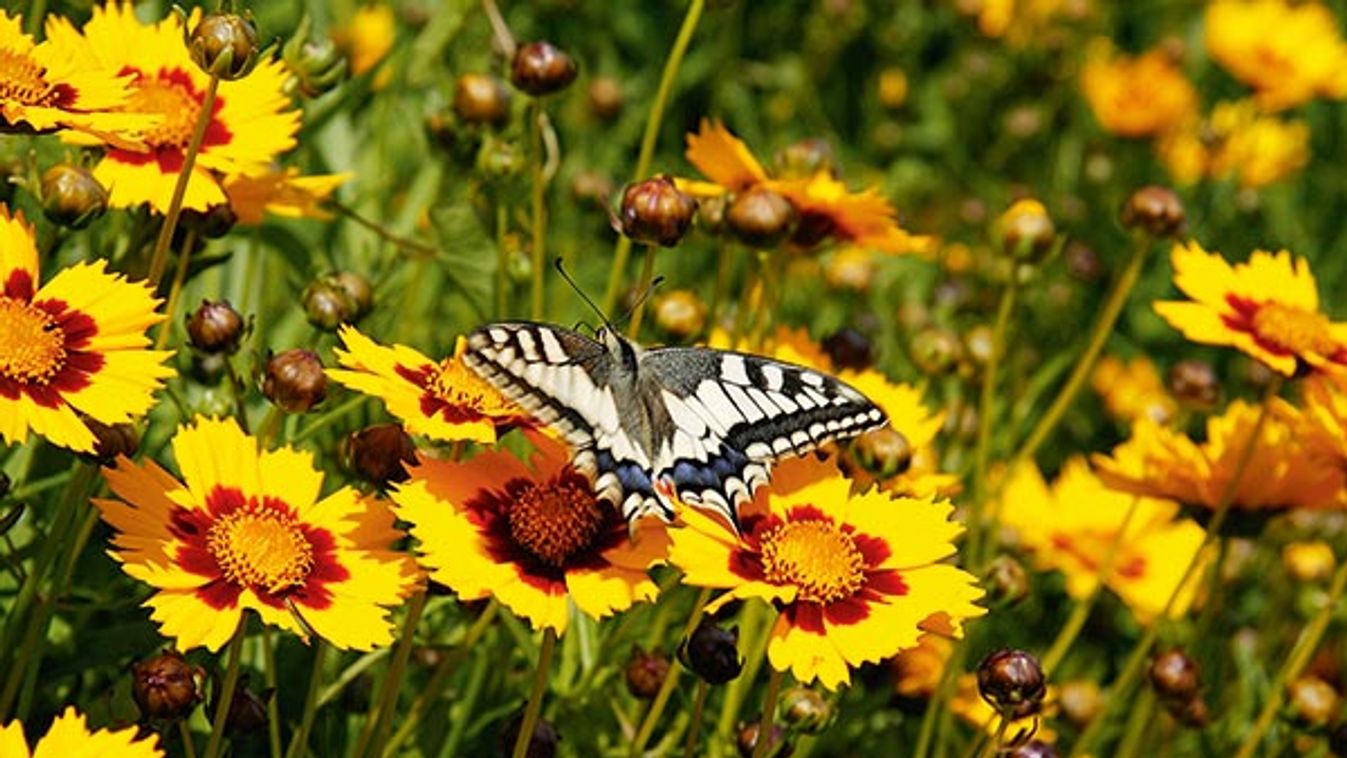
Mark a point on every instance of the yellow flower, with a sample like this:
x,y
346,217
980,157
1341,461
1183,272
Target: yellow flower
x,y
1281,473
283,193
1289,52
854,576
1267,308
1132,390
1073,526
443,400
827,209
918,670
69,735
247,530
368,37
1136,96
76,345
536,540
251,122
1321,419
1309,561
1019,22
1236,141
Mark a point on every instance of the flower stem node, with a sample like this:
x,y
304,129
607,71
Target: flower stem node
x,y
215,328
712,653
656,212
541,68
1012,682
1155,210
294,380
71,196
481,99
224,45
166,687
760,217
645,673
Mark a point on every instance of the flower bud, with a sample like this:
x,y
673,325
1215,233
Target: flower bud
x,y
1308,561
805,710
215,327
712,653
541,68
711,213
378,453
849,349
977,344
224,45
1193,713
500,159
1312,701
315,66
760,217
1025,231
655,212
166,686
1083,264
645,673
1080,701
542,743
247,712
1195,384
294,380
681,314
1174,676
481,99
805,158
936,351
1034,749
1157,211
746,740
71,196
884,452
1012,682
111,440
1006,581
358,289
213,223
335,299
605,97
592,187
850,268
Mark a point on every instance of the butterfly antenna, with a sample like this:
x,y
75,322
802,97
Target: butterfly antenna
x,y
561,269
657,281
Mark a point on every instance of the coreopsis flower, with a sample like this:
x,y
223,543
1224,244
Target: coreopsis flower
x,y
1132,389
918,670
1236,141
246,529
1289,53
825,207
1268,308
538,540
74,347
1321,419
1281,472
443,400
1074,524
70,735
367,38
854,575
252,120
1136,96
282,193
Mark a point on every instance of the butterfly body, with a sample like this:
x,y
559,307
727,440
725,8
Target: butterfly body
x,y
647,426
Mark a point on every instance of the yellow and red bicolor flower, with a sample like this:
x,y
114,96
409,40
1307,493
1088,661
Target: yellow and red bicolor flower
x,y
73,346
69,735
853,580
246,529
537,540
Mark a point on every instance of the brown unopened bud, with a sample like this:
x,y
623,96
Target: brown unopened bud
x,y
1312,701
541,68
379,454
805,710
711,213
850,268
645,673
1195,384
215,328
1157,211
936,351
1006,581
481,99
656,212
335,299
71,196
1174,676
166,686
1084,264
680,314
542,743
1194,713
1012,682
746,740
592,187
605,97
712,653
1034,749
294,380
357,288
805,158
225,45
212,223
848,348
760,217
112,440
1025,230
883,452
247,712
1080,700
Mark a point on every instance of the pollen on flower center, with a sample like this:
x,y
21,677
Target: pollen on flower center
x,y
21,79
458,387
178,106
815,556
1295,329
32,345
260,547
555,521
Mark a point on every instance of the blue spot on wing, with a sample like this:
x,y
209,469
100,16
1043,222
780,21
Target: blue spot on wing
x,y
632,476
696,476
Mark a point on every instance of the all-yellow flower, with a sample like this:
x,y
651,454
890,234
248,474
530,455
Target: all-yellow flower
x,y
368,37
537,540
1289,53
246,529
69,736
1267,308
73,347
1132,389
1236,141
1075,524
853,575
282,193
251,122
1139,96
1320,419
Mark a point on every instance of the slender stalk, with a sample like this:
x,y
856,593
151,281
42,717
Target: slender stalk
x,y
160,257
643,293
754,636
943,690
226,697
539,201
764,740
423,249
652,123
185,734
694,730
993,745
986,412
535,702
376,729
502,260
666,687
273,708
1135,732
36,13
1295,663
236,389
175,292
299,742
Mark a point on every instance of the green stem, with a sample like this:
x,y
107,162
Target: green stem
x,y
36,13
764,741
175,292
1295,663
943,689
376,729
160,257
273,707
993,745
421,249
468,703
226,697
539,200
986,411
299,743
666,687
1136,730
237,391
648,139
502,260
535,702
694,730
754,635
643,293
185,734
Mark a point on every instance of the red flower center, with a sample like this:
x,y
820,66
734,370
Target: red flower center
x,y
555,522
21,80
171,99
257,546
32,344
1295,329
819,559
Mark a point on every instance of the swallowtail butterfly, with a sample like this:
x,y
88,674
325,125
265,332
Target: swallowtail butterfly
x,y
704,425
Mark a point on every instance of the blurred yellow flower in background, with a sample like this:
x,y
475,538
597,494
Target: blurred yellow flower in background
x,y
1236,141
283,193
367,38
1289,53
1132,389
1309,561
1139,96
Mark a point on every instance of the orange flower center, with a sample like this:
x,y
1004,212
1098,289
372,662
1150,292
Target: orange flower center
x,y
260,547
816,557
21,79
460,387
32,346
173,102
556,521
1298,330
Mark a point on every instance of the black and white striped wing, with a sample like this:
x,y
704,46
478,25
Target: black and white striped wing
x,y
733,415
